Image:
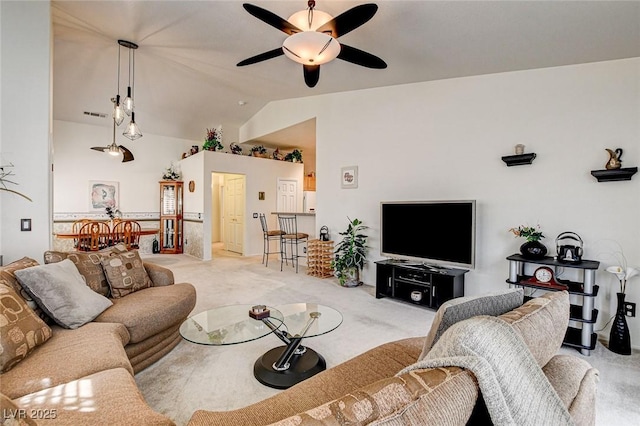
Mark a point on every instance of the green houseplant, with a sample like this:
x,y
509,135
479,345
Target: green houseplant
x,y
212,141
350,254
295,156
258,151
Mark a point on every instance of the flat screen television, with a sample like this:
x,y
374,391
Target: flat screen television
x,y
431,232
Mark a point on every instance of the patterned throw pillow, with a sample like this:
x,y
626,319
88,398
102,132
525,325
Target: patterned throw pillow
x,y
21,330
125,273
89,265
542,322
462,308
8,277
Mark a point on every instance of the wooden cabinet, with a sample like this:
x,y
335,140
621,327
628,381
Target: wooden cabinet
x,y
423,285
171,217
582,316
309,183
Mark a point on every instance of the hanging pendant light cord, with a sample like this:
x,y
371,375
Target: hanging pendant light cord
x,y
118,88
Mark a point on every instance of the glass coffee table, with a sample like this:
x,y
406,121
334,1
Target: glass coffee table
x,y
227,325
280,367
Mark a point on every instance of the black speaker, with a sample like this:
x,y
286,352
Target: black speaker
x,y
569,247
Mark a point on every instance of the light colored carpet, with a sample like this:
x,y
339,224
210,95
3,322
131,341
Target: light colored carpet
x,y
221,378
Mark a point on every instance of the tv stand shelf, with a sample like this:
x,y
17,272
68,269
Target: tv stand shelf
x,y
433,284
585,315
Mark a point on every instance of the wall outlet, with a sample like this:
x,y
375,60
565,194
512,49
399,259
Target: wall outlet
x,y
304,250
630,309
255,215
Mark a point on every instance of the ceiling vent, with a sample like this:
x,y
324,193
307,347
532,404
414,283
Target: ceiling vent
x,y
95,114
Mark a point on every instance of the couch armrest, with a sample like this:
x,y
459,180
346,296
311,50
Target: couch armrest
x,y
160,275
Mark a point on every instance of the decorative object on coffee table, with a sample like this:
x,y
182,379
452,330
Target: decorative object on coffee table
x,y
619,337
532,248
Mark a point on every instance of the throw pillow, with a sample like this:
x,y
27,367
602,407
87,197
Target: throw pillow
x,y
21,330
462,308
8,277
89,265
125,273
542,322
59,290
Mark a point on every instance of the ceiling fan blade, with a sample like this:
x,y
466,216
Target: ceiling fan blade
x,y
311,74
261,57
127,155
271,18
349,20
360,57
100,148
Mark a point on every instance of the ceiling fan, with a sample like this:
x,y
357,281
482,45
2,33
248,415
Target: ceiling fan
x,y
312,38
115,149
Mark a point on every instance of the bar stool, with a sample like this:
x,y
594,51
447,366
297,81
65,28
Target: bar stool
x,y
291,236
268,237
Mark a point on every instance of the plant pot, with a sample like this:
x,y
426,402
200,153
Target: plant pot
x,y
619,338
350,278
533,250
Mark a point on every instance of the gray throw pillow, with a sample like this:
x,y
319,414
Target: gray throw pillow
x,y
58,288
462,308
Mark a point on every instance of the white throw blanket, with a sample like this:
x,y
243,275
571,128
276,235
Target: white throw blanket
x,y
514,388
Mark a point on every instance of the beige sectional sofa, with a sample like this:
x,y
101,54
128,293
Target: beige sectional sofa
x,y
84,375
372,389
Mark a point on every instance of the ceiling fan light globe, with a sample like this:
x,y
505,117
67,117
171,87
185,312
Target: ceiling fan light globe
x,y
113,150
311,48
301,19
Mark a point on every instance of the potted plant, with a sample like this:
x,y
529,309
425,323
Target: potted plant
x,y
258,151
295,156
532,248
212,141
350,254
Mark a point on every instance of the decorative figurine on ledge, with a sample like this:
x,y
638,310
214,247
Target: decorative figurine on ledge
x,y
615,159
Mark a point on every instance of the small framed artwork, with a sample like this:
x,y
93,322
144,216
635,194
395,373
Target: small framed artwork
x,y
102,195
261,195
349,177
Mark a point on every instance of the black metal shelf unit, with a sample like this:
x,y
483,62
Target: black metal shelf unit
x,y
583,337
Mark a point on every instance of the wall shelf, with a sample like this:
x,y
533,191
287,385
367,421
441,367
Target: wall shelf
x,y
519,160
614,175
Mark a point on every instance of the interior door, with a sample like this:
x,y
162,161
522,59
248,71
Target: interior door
x,y
234,213
287,195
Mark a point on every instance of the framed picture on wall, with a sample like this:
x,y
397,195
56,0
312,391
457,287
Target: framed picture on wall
x,y
349,177
102,195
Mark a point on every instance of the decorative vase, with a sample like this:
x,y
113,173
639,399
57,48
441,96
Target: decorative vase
x,y
533,250
619,338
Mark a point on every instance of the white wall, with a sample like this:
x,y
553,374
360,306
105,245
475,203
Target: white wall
x,y
261,176
444,139
25,86
76,164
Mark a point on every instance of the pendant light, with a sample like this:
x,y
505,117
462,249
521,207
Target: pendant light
x,y
118,112
131,131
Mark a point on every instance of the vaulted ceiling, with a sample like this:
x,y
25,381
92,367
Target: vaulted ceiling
x,y
186,79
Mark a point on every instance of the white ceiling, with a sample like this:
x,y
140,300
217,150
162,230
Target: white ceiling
x,y
186,79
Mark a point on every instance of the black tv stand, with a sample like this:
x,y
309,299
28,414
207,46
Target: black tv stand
x,y
432,285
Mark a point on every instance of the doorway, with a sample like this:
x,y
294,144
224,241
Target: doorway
x,y
228,197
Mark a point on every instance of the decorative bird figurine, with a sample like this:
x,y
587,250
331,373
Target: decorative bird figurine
x,y
615,159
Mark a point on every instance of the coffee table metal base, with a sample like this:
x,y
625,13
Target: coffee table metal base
x,y
301,368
